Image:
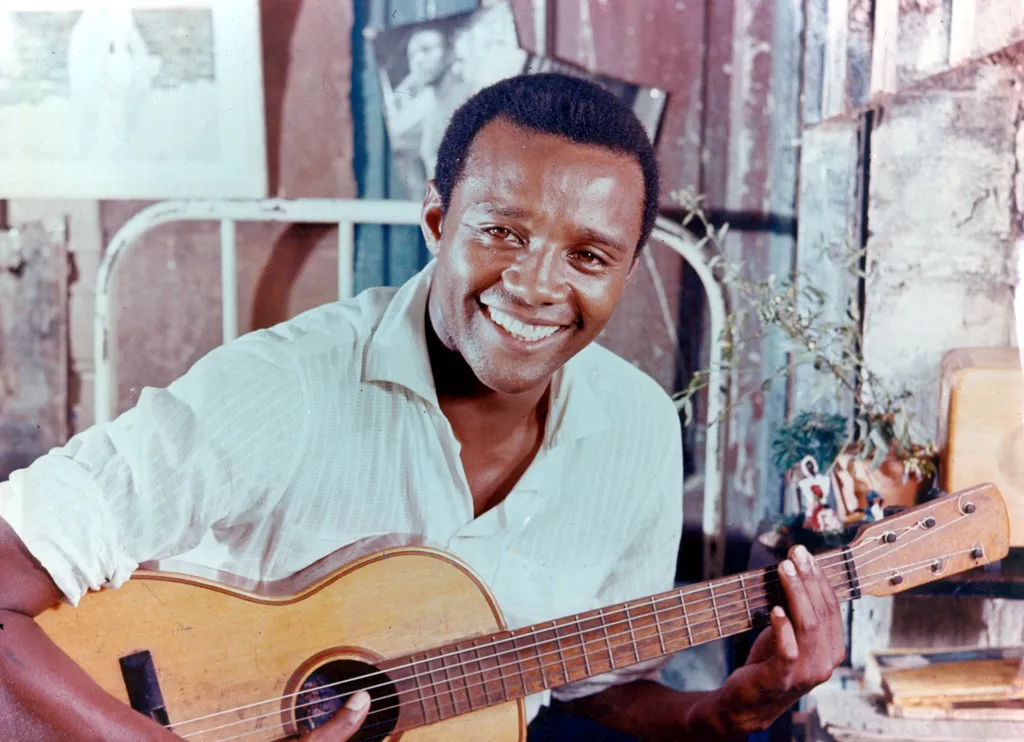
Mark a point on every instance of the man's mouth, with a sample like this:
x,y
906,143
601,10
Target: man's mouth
x,y
521,330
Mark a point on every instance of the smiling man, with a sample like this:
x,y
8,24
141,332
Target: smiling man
x,y
469,410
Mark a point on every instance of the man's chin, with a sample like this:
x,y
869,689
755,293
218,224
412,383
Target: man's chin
x,y
499,380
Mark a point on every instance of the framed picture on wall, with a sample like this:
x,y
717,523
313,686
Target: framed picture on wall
x,y
131,99
430,68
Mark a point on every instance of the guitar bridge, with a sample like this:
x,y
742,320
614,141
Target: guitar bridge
x,y
143,686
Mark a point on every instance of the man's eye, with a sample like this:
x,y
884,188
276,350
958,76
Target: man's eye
x,y
590,259
501,233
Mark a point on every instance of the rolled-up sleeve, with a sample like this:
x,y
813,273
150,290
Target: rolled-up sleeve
x,y
220,440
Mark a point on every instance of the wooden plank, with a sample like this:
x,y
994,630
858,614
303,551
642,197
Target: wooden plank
x,y
858,53
33,344
885,47
833,90
815,45
828,221
961,30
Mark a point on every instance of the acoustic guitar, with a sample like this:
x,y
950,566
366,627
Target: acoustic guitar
x,y
423,635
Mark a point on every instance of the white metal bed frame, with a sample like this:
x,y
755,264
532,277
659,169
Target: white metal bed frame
x,y
346,213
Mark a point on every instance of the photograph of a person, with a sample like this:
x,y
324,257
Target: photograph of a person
x,y
428,69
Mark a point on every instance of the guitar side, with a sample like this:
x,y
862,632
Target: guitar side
x,y
216,648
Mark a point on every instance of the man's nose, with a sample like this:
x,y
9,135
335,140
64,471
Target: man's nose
x,y
537,276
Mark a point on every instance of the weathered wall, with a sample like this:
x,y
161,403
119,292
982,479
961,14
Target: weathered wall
x,y
943,224
33,348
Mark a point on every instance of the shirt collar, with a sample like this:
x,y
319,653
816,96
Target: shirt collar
x,y
398,354
398,348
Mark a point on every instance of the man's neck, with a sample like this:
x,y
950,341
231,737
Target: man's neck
x,y
478,413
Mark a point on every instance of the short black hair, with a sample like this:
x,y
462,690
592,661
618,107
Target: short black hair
x,y
551,103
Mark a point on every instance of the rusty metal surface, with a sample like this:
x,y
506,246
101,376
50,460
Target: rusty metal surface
x,y
715,59
33,344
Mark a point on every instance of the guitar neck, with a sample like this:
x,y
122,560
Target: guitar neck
x,y
949,535
469,675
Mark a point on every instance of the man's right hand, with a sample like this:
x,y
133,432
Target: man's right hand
x,y
345,722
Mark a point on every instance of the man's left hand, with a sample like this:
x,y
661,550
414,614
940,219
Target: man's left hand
x,y
795,654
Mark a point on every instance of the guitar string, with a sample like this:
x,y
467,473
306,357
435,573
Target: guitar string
x,y
742,616
843,557
829,560
673,596
732,621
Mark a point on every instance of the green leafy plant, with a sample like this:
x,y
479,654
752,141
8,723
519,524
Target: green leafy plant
x,y
816,434
800,313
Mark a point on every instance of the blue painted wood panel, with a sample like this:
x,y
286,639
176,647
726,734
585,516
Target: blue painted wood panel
x,y
385,256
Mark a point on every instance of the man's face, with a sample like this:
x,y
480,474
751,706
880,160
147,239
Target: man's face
x,y
426,55
533,254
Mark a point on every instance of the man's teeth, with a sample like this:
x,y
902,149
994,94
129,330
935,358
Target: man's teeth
x,y
519,329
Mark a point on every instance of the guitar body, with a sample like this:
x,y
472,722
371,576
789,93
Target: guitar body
x,y
215,647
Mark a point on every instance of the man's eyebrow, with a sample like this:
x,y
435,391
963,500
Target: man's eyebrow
x,y
589,234
497,209
582,234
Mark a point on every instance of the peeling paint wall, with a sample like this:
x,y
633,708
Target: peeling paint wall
x,y
943,225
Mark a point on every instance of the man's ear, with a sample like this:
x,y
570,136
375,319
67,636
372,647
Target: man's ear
x,y
432,218
634,262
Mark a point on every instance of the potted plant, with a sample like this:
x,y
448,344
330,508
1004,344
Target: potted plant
x,y
873,449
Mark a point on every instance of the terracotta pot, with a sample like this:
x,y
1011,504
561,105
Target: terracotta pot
x,y
856,478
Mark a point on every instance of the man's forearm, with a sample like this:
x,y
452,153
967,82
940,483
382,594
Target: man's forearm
x,y
654,713
45,696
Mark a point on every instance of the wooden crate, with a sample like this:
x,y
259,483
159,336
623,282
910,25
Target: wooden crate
x,y
981,428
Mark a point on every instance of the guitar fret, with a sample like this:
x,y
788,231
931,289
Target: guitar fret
x,y
480,671
583,645
632,635
498,668
521,642
657,625
437,696
686,619
419,691
560,651
714,608
492,648
540,659
519,664
746,599
607,641
448,681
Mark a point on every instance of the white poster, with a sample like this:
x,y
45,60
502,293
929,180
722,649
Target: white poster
x,y
131,99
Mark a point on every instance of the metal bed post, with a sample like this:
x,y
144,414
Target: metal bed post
x,y
346,213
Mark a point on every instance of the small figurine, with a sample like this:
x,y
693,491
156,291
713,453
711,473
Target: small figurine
x,y
876,507
814,489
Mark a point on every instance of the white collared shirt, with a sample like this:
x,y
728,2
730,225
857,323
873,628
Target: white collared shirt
x,y
290,443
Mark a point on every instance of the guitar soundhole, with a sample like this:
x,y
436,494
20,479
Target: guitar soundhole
x,y
325,691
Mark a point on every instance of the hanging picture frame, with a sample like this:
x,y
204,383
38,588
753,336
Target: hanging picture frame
x,y
429,68
131,99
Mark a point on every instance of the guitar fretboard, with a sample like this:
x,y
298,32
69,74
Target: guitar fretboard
x,y
469,675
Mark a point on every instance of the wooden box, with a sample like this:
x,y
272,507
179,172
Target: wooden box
x,y
981,425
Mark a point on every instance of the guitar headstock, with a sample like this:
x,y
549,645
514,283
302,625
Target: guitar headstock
x,y
952,534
